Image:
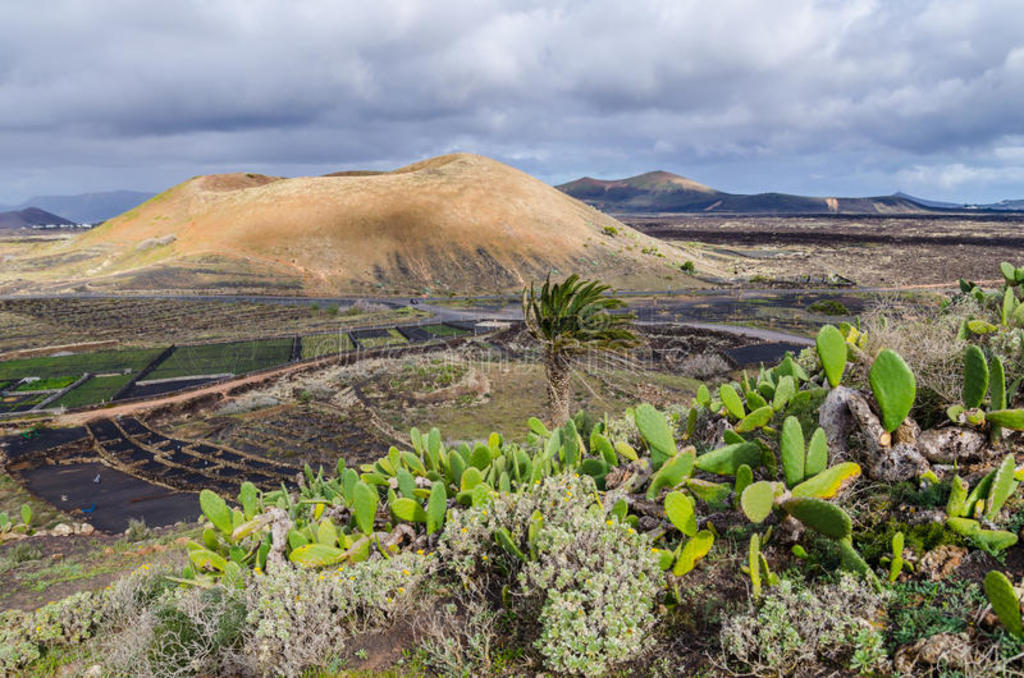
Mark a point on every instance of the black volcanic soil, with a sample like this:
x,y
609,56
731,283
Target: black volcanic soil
x,y
871,250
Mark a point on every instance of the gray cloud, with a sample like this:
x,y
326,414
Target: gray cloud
x,y
822,97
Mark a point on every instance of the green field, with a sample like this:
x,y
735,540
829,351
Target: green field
x,y
235,358
48,384
94,391
392,338
444,330
318,345
78,364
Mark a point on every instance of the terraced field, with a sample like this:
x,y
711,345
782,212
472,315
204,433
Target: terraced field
x,y
191,465
304,433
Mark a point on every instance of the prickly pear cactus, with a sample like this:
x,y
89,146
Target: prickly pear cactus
x,y
975,377
831,348
894,388
1004,601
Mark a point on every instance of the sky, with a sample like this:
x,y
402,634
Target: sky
x,y
815,97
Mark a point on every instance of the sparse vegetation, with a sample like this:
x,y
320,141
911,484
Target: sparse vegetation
x,y
799,520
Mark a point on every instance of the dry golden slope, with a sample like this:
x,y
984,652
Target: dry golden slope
x,y
460,223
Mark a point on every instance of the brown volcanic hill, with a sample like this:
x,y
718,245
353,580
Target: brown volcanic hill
x,y
456,223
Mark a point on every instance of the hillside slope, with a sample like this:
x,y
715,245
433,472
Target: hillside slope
x,y
457,223
665,192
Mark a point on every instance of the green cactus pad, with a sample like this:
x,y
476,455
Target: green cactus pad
x,y
1009,272
732,401
679,508
956,506
832,352
791,446
1004,601
851,560
695,549
316,555
744,478
725,460
975,377
408,510
1003,486
437,505
364,506
757,500
655,430
715,495
829,482
214,508
817,453
755,419
894,387
819,515
784,392
672,472
1013,419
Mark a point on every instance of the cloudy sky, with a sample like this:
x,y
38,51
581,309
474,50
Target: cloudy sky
x,y
823,97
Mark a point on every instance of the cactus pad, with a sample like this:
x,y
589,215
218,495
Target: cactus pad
x,y
1004,601
894,387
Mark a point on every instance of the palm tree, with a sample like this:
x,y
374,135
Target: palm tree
x,y
570,319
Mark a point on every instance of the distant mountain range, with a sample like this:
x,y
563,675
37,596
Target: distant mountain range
x,y
85,208
31,216
661,191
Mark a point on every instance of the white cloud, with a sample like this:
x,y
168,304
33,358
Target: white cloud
x,y
116,91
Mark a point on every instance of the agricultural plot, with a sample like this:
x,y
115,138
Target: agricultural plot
x,y
94,390
104,362
234,358
182,464
300,434
317,345
28,323
444,330
20,402
48,384
380,338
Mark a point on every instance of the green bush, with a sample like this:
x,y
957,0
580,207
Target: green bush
x,y
809,630
589,580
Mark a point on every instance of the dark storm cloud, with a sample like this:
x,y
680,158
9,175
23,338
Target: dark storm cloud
x,y
820,97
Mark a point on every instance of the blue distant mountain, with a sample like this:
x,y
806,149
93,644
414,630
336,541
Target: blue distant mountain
x,y
86,208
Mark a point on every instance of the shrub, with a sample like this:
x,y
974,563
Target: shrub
x,y
610,231
829,307
299,619
589,580
688,266
805,631
185,632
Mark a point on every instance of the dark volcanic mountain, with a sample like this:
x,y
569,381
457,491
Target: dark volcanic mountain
x,y
31,216
666,192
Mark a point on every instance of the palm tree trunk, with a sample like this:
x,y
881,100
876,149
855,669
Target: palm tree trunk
x,y
558,373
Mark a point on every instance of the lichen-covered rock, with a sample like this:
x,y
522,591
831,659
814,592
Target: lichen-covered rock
x,y
835,418
953,650
941,561
953,444
897,463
